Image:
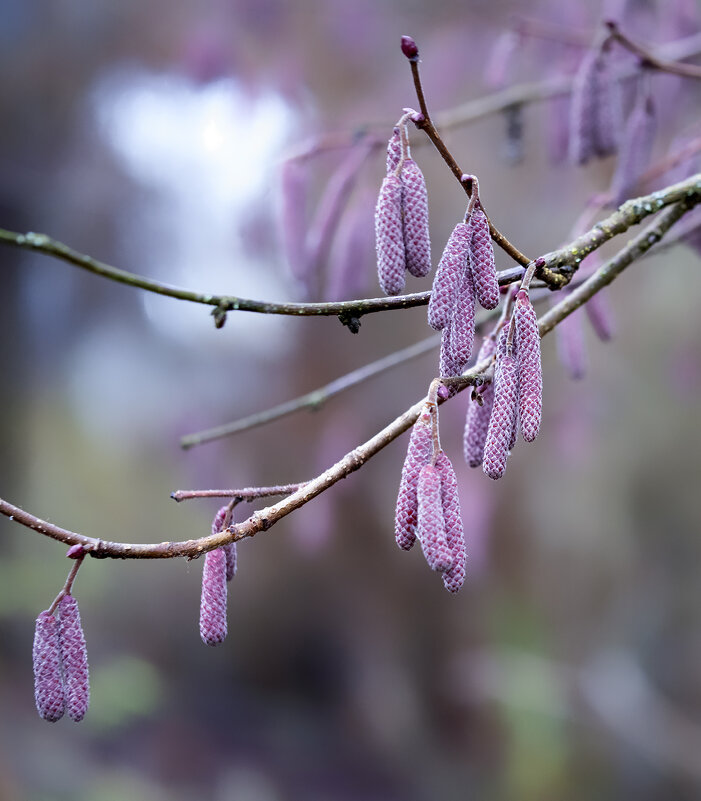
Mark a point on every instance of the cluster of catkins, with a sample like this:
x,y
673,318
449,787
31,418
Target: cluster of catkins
x,y
466,272
401,217
513,398
219,568
428,506
61,663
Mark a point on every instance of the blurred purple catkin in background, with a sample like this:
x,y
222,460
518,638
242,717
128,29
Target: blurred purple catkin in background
x,y
294,188
353,253
636,144
48,683
74,658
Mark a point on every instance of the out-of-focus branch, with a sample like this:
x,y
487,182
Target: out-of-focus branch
x,y
649,59
246,494
263,519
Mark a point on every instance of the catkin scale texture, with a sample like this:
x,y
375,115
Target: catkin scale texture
x,y
462,324
430,527
74,658
48,682
454,576
417,241
482,262
389,236
477,419
418,454
446,283
213,627
504,410
530,375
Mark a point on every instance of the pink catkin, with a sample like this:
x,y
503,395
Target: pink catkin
x,y
389,236
48,683
504,410
74,658
213,599
430,526
462,324
636,148
294,189
454,576
530,374
418,454
394,150
571,348
477,420
482,261
230,549
600,314
446,283
415,207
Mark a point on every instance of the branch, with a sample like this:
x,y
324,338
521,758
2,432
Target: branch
x,y
247,494
347,311
316,398
648,59
263,519
424,123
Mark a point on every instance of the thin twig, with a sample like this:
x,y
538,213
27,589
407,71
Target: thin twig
x,y
263,519
68,586
246,494
648,59
316,398
425,124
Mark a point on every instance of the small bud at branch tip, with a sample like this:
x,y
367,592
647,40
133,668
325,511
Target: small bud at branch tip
x,y
409,48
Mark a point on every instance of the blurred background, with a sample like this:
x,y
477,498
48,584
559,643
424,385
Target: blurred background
x,y
154,136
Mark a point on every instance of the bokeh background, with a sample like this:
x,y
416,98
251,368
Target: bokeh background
x,y
152,135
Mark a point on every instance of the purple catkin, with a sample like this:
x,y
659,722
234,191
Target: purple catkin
x,y
504,410
530,374
331,206
230,548
389,236
558,128
213,599
418,454
394,150
482,261
462,324
417,242
430,526
500,60
595,110
451,269
477,420
454,576
294,188
74,658
571,348
48,684
636,147
352,253
600,314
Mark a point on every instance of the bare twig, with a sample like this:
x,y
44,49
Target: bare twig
x,y
246,494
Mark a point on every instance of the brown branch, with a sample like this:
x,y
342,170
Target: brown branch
x,y
424,123
263,519
648,59
246,494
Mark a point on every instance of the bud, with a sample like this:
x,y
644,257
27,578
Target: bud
x,y
504,410
477,421
48,684
430,527
76,552
446,283
454,576
418,454
409,48
213,599
530,375
389,236
462,324
74,658
415,205
482,261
